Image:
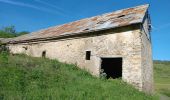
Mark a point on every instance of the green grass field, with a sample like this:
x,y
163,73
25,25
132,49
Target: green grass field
x,y
162,77
28,78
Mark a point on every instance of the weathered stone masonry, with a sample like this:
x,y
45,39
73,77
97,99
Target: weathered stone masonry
x,y
131,42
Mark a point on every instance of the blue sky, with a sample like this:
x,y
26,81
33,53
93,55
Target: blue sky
x,y
32,15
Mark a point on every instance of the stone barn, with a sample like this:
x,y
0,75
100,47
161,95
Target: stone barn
x,y
116,43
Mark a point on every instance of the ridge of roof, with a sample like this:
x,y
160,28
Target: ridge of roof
x,y
118,18
146,5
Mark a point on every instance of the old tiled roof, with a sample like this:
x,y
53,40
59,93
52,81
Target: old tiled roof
x,y
106,21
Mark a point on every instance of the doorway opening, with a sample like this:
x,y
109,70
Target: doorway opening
x,y
44,54
112,67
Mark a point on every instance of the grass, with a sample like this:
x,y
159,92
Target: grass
x,y
162,77
28,78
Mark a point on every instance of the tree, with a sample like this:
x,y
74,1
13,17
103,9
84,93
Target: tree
x,y
6,35
10,31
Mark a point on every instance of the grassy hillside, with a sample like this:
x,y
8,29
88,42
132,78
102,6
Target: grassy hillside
x,y
28,78
162,77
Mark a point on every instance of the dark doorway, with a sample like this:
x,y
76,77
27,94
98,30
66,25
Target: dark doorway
x,y
112,67
44,54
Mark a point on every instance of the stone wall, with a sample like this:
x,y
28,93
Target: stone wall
x,y
125,44
147,62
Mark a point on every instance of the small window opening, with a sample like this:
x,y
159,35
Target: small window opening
x,y
25,48
44,54
88,54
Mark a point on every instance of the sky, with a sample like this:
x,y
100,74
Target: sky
x,y
33,15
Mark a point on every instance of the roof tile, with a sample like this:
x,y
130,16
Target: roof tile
x,y
109,20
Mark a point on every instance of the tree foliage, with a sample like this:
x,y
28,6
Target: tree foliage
x,y
10,31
